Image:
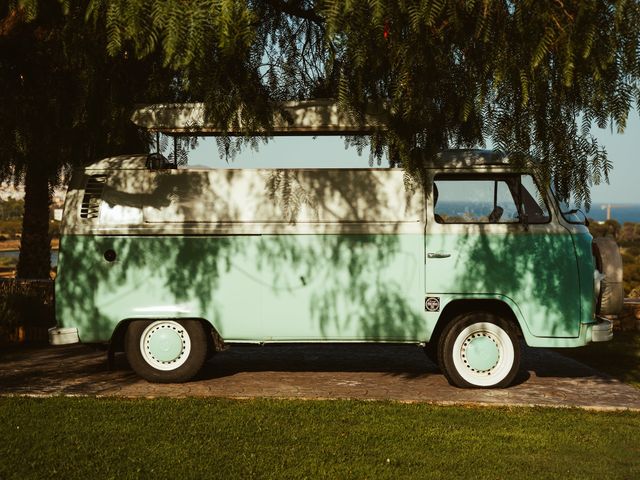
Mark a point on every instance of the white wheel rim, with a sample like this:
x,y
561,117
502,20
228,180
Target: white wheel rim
x,y
165,345
505,354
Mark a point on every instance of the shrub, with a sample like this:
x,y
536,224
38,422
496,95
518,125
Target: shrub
x,y
11,228
27,309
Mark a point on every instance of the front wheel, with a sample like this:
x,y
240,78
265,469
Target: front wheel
x,y
479,350
166,351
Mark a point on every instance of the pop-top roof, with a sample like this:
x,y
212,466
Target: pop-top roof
x,y
454,159
307,117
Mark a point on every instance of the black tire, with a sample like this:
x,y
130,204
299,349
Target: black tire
x,y
493,362
211,352
179,367
610,294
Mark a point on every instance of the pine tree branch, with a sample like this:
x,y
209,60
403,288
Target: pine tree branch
x,y
294,8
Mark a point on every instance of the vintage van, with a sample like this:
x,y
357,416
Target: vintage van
x,y
166,264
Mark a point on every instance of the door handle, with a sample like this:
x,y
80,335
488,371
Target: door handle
x,y
438,255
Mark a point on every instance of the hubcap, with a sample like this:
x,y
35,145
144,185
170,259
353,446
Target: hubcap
x,y
483,354
480,352
165,345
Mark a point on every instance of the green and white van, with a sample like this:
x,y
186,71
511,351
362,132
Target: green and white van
x,y
166,264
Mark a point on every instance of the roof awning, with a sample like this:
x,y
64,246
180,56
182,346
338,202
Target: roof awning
x,y
308,117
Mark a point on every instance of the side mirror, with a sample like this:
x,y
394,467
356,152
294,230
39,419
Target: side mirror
x,y
575,211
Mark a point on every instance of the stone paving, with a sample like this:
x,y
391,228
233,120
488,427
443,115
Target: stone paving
x,y
366,372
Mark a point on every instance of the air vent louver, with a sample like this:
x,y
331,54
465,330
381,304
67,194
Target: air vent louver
x,y
92,196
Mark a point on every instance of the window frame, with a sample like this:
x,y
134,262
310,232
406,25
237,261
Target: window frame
x,y
495,177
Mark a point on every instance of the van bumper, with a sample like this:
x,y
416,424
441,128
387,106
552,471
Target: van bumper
x,y
602,330
63,336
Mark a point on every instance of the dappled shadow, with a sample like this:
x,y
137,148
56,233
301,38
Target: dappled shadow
x,y
536,269
530,260
94,294
315,116
302,255
358,286
263,255
367,195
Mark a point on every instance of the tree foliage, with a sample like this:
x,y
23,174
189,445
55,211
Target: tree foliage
x,y
64,101
531,77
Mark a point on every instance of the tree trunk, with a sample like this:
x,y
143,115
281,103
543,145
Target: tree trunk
x,y
35,246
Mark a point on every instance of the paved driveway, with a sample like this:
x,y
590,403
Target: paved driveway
x,y
367,372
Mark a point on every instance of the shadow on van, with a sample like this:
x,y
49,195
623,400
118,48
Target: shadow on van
x,y
346,276
313,255
537,269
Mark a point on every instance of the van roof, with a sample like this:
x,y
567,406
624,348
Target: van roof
x,y
303,117
458,158
462,158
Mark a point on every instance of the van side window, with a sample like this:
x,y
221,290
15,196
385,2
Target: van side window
x,y
500,198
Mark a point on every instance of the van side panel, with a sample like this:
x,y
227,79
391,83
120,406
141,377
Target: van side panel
x,y
159,277
343,287
263,255
251,288
536,270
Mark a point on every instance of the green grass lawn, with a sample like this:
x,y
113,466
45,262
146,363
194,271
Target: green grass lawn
x,y
620,357
215,438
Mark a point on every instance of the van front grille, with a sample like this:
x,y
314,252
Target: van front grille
x,y
92,196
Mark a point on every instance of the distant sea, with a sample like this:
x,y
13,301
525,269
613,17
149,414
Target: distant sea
x,y
622,212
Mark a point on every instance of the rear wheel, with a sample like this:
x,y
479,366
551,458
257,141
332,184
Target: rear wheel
x,y
479,350
166,351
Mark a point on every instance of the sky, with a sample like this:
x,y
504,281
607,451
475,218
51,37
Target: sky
x,y
624,153
329,152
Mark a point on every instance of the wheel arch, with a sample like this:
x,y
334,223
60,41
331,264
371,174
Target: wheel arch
x,y
501,306
116,343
